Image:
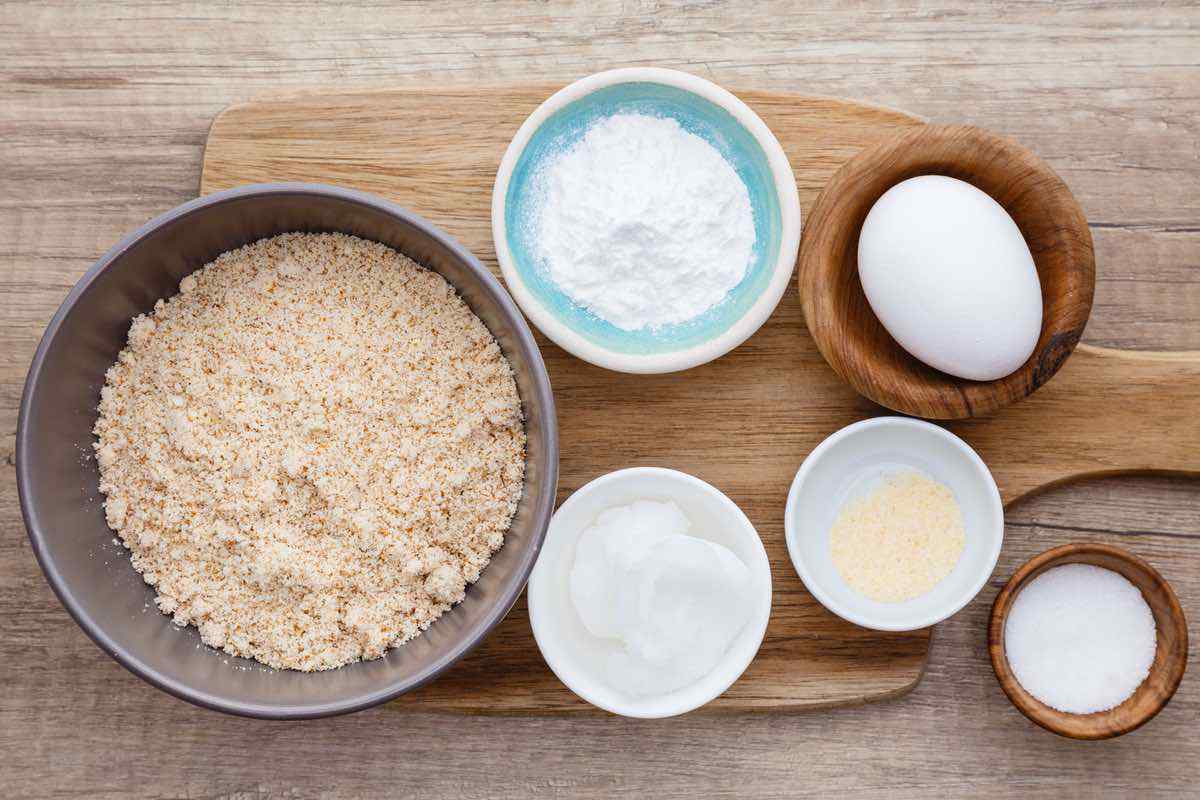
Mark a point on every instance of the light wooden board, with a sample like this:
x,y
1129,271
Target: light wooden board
x,y
744,423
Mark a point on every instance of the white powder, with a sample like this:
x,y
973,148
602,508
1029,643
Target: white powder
x,y
643,223
1080,638
674,602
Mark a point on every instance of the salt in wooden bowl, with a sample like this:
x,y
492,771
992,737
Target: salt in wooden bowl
x,y
1170,658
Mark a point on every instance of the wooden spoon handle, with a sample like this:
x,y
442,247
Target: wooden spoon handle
x,y
1105,412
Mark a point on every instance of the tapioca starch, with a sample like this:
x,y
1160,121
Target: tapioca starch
x,y
643,223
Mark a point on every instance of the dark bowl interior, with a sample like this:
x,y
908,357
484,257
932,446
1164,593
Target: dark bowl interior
x,y
57,478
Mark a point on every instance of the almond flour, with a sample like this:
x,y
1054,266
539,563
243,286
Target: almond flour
x,y
311,450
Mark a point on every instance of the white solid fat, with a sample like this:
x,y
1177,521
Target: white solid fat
x,y
608,554
1080,638
642,222
950,276
674,602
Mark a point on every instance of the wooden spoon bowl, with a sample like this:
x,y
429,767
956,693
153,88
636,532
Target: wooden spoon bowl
x,y
851,337
1170,659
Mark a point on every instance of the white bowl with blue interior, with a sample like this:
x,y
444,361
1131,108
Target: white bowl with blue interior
x,y
701,108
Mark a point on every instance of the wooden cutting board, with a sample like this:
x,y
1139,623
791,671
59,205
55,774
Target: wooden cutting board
x,y
744,422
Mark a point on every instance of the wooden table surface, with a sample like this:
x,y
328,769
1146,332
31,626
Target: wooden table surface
x,y
103,113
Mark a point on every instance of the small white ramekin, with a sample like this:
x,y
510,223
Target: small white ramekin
x,y
754,300
873,448
570,650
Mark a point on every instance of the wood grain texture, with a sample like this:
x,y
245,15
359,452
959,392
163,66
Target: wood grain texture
x,y
1170,657
104,109
419,149
1107,412
852,338
734,422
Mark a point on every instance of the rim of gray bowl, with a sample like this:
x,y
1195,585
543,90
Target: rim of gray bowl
x,y
157,678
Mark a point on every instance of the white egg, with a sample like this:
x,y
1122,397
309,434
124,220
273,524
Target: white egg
x,y
949,275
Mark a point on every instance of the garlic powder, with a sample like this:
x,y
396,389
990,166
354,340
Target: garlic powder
x,y
900,540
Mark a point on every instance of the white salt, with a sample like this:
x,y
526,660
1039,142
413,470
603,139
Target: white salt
x,y
674,603
1080,638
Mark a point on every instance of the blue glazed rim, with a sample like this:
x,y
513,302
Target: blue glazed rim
x,y
701,108
695,114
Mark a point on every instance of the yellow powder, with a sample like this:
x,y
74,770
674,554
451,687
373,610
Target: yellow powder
x,y
899,541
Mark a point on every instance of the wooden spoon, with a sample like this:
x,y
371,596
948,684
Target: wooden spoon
x,y
848,333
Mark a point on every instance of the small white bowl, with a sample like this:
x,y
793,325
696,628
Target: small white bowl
x,y
702,108
852,459
573,653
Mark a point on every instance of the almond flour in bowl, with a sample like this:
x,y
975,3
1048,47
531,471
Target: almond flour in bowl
x,y
311,450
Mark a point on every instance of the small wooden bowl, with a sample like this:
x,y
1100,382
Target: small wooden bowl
x,y
853,340
1166,672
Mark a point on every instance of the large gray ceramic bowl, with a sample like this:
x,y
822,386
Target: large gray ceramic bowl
x,y
57,479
